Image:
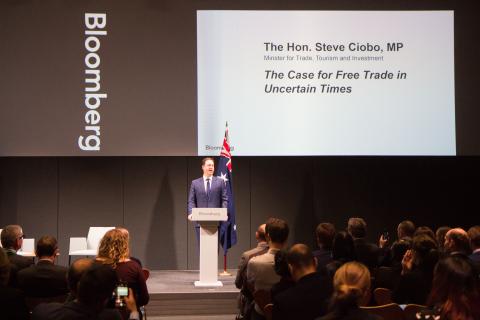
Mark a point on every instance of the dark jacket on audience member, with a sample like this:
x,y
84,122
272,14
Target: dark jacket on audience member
x,y
308,299
413,287
72,311
43,280
323,257
17,263
367,253
12,304
352,314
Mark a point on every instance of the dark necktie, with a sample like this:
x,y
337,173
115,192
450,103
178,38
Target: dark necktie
x,y
208,187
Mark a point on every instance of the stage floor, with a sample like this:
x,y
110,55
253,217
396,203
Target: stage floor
x,y
173,296
181,281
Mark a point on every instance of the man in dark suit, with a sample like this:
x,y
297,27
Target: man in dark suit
x,y
367,253
474,234
91,287
325,232
207,191
308,299
12,240
45,279
457,242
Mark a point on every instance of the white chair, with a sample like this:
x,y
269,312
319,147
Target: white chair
x,y
28,248
87,246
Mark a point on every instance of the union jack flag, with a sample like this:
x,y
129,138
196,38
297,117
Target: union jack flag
x,y
228,229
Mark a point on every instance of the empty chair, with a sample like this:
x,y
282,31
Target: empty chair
x,y
382,296
28,248
87,246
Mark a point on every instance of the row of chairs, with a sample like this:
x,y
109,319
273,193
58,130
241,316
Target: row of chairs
x,y
383,297
79,246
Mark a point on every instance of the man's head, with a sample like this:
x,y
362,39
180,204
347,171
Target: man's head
x,y
12,237
260,233
47,247
301,261
208,166
457,240
96,286
405,228
474,235
325,233
76,271
357,227
276,232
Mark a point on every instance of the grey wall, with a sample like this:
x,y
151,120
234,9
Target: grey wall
x,y
64,196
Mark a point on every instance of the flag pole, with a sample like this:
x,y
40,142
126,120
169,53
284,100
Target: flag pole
x,y
225,273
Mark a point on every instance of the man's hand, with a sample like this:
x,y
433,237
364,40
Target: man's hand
x,y
382,241
407,262
130,301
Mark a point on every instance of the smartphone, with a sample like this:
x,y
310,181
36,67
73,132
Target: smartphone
x,y
385,235
122,290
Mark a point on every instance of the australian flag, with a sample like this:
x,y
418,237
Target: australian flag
x,y
228,229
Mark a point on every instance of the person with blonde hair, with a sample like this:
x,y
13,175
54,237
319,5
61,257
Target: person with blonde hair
x,y
351,285
114,251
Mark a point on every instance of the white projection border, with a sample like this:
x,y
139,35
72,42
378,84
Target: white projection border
x,y
382,82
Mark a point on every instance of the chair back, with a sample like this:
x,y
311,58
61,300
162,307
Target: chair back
x,y
95,234
390,311
268,311
411,310
262,298
28,247
382,296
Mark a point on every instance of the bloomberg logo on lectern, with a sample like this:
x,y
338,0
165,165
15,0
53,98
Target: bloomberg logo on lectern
x,y
95,24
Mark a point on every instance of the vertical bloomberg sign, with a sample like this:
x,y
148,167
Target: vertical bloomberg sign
x,y
95,24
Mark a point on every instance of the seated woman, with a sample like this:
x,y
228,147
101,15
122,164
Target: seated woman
x,y
455,291
351,285
417,271
114,250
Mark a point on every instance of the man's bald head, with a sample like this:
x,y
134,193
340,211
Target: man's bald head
x,y
77,269
457,240
260,234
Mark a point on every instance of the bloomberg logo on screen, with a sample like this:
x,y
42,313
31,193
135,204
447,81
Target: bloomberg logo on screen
x,y
95,24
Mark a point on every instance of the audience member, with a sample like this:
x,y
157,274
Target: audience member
x,y
281,268
417,271
308,298
127,233
45,279
91,286
389,276
12,240
366,252
474,235
343,250
245,297
440,237
405,229
427,231
114,251
12,300
351,285
261,273
455,291
457,242
324,234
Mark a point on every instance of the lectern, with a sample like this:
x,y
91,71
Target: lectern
x,y
208,219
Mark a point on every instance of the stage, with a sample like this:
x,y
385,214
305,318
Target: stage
x,y
173,296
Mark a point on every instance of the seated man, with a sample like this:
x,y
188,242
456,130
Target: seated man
x,y
45,279
367,253
261,273
457,242
324,233
12,240
308,299
12,300
91,287
245,298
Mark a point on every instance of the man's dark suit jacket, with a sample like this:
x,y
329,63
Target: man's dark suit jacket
x,y
323,257
17,263
307,300
72,311
43,280
367,253
13,306
198,198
